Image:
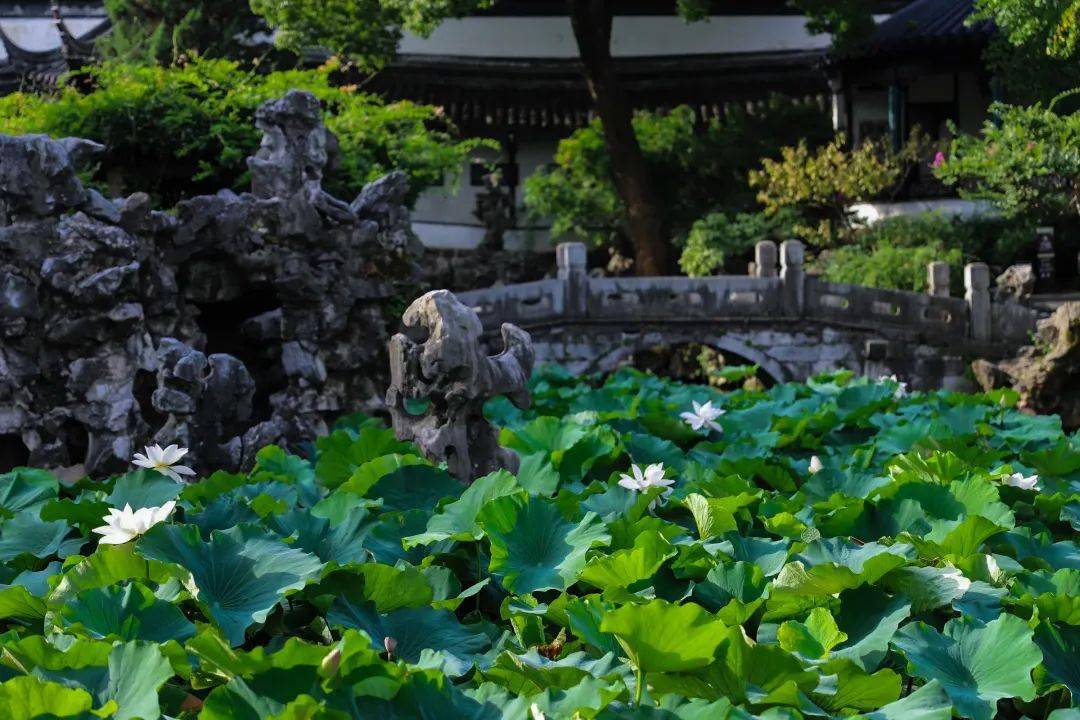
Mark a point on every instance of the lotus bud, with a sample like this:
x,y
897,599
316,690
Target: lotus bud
x,y
390,644
331,662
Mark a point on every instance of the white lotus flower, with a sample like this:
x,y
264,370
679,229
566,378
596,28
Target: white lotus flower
x,y
536,713
122,526
816,465
1024,483
901,387
652,476
703,416
164,461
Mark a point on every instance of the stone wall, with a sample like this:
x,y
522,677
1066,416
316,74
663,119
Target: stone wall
x,y
232,321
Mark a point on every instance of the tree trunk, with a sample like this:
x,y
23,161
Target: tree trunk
x,y
592,20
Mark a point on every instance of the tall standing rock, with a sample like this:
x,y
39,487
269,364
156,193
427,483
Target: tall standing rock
x,y
446,366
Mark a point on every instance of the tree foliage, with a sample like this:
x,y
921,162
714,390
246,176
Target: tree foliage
x,y
822,184
1026,161
700,169
367,31
186,130
718,240
163,31
1053,25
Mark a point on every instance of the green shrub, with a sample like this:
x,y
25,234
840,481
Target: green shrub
x,y
821,185
182,131
696,169
718,240
885,265
893,252
1026,161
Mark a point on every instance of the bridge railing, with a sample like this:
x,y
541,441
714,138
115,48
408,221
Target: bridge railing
x,y
768,293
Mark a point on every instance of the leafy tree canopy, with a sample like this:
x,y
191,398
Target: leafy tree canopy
x,y
186,130
1052,24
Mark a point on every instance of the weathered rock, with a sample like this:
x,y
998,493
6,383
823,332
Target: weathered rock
x,y
1047,374
278,291
446,366
1015,284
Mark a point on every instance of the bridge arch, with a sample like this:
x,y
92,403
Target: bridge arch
x,y
791,324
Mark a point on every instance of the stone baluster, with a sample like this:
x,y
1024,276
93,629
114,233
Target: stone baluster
x,y
793,276
572,261
937,278
977,295
765,259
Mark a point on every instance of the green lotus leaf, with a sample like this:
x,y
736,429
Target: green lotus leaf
x,y
711,516
1039,552
415,487
659,636
812,639
457,520
538,475
957,538
976,664
530,672
143,488
342,452
1060,647
19,604
340,543
870,618
584,615
769,555
274,461
26,489
392,587
846,686
623,568
26,534
128,612
365,477
734,591
413,630
533,546
109,565
930,702
238,577
28,697
136,673
648,449
928,588
1057,596
549,435
827,567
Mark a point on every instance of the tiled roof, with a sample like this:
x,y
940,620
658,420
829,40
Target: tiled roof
x,y
926,25
36,48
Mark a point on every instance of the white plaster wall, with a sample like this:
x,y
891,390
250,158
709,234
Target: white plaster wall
x,y
632,36
870,213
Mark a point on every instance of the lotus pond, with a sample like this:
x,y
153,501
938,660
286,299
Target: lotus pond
x,y
924,566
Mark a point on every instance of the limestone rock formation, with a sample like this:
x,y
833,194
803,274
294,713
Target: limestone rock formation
x,y
445,364
1015,284
1047,374
107,306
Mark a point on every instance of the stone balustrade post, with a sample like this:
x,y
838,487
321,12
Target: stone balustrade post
x,y
572,261
765,259
977,295
937,278
794,278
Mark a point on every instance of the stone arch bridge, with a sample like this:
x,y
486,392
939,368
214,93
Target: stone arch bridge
x,y
791,324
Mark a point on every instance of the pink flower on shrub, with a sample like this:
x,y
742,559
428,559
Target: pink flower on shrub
x,y
939,160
